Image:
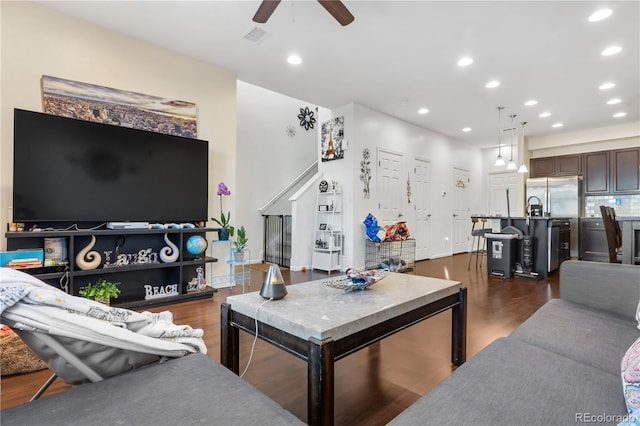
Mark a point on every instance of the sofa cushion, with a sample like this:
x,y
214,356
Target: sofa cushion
x,y
191,390
587,335
511,382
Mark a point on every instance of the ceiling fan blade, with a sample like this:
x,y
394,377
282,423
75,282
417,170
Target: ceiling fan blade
x,y
338,11
265,10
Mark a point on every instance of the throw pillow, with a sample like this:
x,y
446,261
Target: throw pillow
x,y
630,367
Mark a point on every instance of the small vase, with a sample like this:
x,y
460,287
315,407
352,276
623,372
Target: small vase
x,y
223,234
238,256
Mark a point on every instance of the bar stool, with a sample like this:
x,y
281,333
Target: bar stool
x,y
476,235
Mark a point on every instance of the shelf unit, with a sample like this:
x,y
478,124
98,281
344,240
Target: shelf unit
x,y
328,241
159,277
240,277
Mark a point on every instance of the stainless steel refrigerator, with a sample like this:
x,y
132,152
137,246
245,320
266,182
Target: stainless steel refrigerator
x,y
561,197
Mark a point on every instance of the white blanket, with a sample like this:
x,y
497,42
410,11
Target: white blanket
x,y
76,317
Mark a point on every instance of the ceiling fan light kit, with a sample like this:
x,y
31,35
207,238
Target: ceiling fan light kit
x,y
335,8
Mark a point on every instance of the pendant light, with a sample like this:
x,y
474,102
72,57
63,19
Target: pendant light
x,y
512,164
523,167
499,160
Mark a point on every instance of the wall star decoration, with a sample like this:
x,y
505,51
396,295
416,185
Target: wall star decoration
x,y
306,118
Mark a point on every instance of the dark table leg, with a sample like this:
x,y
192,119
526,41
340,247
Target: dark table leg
x,y
459,330
229,340
320,382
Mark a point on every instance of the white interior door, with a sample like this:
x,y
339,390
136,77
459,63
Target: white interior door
x,y
498,185
390,187
461,216
421,197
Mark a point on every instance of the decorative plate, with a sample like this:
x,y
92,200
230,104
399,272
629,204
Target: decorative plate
x,y
355,280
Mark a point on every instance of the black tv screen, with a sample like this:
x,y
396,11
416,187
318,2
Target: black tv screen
x,y
68,170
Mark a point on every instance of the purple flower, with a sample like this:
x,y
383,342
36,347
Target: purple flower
x,y
223,190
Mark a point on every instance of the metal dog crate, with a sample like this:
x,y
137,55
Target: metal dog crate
x,y
397,256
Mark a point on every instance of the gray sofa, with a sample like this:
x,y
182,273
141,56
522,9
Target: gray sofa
x,y
560,367
185,391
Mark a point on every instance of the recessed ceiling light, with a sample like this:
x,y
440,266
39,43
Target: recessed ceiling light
x,y
545,115
611,50
294,60
492,84
423,111
556,125
613,101
466,129
607,85
599,15
619,114
463,62
532,102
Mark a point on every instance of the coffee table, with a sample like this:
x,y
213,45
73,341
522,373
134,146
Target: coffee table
x,y
321,325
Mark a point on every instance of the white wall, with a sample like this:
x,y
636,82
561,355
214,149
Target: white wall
x,y
36,41
366,128
268,159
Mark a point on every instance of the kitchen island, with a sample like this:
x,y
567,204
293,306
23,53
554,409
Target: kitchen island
x,y
551,241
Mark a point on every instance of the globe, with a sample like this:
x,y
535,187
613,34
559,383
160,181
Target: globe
x,y
196,245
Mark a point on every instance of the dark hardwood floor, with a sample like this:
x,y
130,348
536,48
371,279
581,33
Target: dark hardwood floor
x,y
375,384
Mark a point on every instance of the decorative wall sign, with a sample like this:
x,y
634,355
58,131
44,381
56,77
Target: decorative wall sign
x,y
158,292
365,171
91,102
332,134
86,259
306,118
142,257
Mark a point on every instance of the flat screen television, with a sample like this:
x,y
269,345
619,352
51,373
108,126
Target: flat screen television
x,y
68,170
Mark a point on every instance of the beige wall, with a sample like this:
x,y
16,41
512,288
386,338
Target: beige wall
x,y
36,40
590,140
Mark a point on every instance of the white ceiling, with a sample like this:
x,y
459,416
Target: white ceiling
x,y
398,56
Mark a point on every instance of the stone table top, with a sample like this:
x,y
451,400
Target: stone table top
x,y
313,309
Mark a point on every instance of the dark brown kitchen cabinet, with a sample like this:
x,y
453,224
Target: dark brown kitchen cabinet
x,y
564,165
542,167
596,173
593,240
625,167
569,165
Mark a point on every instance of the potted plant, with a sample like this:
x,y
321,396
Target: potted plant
x,y
226,229
240,243
102,291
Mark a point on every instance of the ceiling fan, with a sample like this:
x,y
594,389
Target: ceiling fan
x,y
335,7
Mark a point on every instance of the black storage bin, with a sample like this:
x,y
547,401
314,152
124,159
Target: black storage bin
x,y
501,254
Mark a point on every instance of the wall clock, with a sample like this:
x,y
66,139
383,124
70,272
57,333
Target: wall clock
x,y
306,118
